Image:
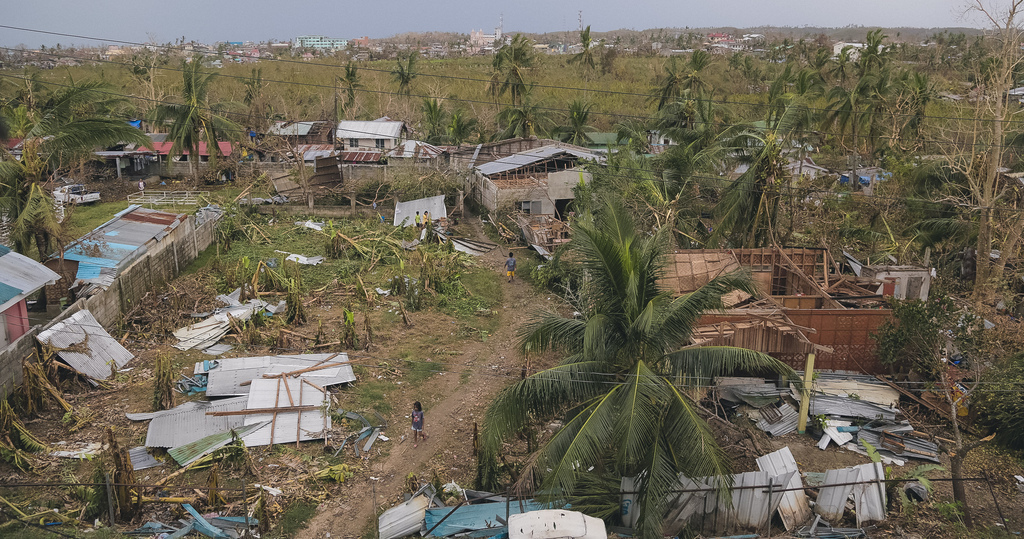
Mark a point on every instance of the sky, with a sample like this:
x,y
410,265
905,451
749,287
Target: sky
x,y
210,21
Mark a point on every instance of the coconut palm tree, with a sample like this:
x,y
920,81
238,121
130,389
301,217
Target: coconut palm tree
x,y
404,73
527,119
585,58
460,127
195,119
625,375
254,99
58,129
351,83
433,120
510,65
577,123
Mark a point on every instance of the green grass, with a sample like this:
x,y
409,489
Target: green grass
x,y
294,518
85,218
27,531
371,395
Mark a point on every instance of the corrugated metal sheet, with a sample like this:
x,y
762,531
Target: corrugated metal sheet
x,y
786,425
349,129
475,517
141,459
921,449
364,156
234,363
187,453
101,354
831,500
403,519
750,509
870,498
228,382
529,157
410,149
287,426
849,407
405,212
794,508
187,423
20,276
291,129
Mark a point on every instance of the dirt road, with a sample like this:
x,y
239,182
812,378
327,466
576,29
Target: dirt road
x,y
462,400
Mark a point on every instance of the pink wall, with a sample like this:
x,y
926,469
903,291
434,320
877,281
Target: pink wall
x,y
17,320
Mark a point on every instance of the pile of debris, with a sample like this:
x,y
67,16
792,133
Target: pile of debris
x,y
849,410
210,525
215,324
270,400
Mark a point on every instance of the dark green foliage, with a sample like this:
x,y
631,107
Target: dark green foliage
x,y
1001,403
922,332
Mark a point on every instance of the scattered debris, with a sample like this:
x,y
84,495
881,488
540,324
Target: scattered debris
x,y
403,519
794,507
486,517
555,524
88,451
308,261
141,459
85,346
319,227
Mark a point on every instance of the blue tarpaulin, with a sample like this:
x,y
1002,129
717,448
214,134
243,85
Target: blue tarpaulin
x,y
477,518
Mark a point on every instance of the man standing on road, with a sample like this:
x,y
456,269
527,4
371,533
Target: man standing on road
x,y
510,267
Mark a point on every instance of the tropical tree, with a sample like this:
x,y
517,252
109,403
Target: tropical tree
x,y
195,120
585,58
58,129
460,127
254,99
689,77
404,73
433,120
524,120
625,376
350,82
510,65
577,123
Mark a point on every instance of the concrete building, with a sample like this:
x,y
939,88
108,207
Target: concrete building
x,y
381,134
321,42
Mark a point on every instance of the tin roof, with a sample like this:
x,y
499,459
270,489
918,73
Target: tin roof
x,y
120,240
415,149
376,129
164,148
370,156
310,152
97,354
227,377
530,157
21,276
291,129
287,426
188,422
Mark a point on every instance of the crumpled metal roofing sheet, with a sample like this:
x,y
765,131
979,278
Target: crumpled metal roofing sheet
x,y
869,498
849,407
415,148
529,157
101,352
405,212
555,523
475,517
403,519
293,129
287,426
831,500
922,449
188,422
794,508
141,459
228,382
749,510
786,425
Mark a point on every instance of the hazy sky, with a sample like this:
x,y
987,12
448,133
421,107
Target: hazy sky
x,y
231,20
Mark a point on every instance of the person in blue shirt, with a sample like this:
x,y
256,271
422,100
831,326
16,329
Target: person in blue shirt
x,y
510,268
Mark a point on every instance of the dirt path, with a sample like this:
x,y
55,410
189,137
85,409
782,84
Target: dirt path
x,y
449,419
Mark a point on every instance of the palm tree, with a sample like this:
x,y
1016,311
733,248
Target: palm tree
x,y
625,375
577,123
253,99
525,120
690,77
404,73
585,57
351,81
635,134
510,65
671,86
57,129
460,127
195,119
433,120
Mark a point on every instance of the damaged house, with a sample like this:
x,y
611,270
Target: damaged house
x,y
802,306
537,181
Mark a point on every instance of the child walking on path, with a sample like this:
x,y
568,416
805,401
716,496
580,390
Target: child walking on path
x,y
417,423
510,267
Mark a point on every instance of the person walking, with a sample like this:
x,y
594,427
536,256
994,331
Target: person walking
x,y
417,424
510,267
419,220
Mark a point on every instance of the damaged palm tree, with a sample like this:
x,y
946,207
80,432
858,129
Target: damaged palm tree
x,y
16,442
126,495
375,245
38,388
163,384
349,339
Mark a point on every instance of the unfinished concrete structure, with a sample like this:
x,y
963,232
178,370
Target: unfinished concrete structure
x,y
538,181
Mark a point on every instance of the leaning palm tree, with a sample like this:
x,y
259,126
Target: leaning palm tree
x,y
625,379
527,119
404,73
585,58
351,81
195,120
460,127
577,123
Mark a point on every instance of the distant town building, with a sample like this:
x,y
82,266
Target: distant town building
x,y
479,41
320,42
361,42
854,49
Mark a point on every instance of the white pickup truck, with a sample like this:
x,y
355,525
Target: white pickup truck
x,y
75,194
